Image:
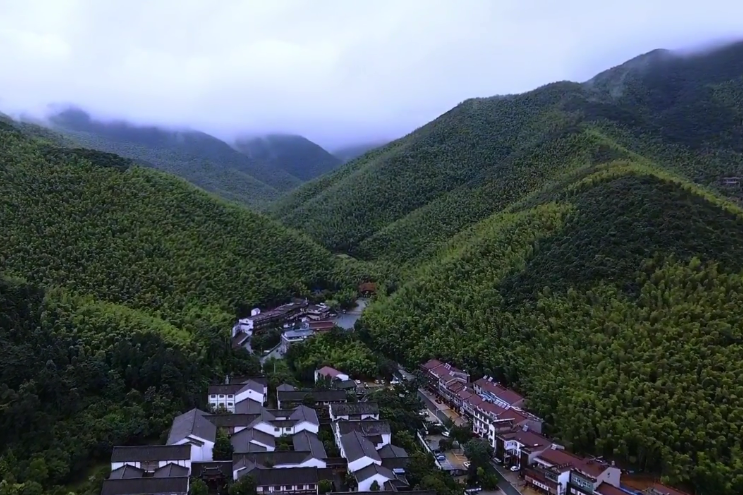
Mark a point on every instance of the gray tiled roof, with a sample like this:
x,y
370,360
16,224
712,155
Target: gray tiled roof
x,y
285,387
278,477
354,408
146,486
171,470
194,423
241,441
390,451
151,453
248,406
355,446
126,472
371,470
304,413
231,420
265,459
305,441
317,395
366,427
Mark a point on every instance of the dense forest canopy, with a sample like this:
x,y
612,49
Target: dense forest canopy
x,y
118,287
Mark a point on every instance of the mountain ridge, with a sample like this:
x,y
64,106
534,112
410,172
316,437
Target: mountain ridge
x,y
294,154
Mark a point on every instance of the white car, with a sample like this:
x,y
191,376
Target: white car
x,y
445,433
466,464
515,468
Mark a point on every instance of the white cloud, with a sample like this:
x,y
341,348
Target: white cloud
x,y
333,70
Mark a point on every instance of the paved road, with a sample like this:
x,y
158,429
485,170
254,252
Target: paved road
x,y
504,484
346,320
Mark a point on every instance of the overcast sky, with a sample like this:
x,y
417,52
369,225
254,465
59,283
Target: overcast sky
x,y
335,71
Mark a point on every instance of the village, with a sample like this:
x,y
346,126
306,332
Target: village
x,y
330,438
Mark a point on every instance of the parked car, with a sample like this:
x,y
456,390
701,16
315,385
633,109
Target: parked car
x,y
467,464
515,468
440,457
445,433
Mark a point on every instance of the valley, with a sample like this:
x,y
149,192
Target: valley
x,y
581,244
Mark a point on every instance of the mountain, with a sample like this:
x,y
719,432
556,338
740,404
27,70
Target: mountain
x,y
581,243
348,153
295,155
403,201
118,287
197,157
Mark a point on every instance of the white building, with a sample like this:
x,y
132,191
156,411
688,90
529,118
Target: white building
x,y
192,428
228,396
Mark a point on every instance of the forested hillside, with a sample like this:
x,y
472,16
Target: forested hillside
x,y
118,287
197,157
614,304
605,279
402,204
295,155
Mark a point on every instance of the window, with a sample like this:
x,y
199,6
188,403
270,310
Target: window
x,y
230,396
229,404
221,396
213,396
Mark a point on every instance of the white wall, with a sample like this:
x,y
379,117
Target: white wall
x,y
271,429
318,463
201,453
365,486
361,463
611,475
185,463
225,400
250,394
339,376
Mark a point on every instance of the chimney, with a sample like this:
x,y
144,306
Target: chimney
x,y
226,379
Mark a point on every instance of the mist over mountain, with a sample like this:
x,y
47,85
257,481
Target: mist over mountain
x,y
348,153
295,155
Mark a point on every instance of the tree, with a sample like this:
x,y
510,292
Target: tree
x,y
478,452
198,487
324,486
222,447
243,486
284,443
374,486
461,434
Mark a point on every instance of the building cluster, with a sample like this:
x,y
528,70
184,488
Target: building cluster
x,y
298,319
498,414
280,448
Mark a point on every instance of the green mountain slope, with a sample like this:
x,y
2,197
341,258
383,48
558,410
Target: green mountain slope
x,y
348,153
476,159
118,287
295,155
598,268
197,157
613,303
93,222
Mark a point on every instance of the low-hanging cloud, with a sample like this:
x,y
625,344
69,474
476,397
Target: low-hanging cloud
x,y
336,71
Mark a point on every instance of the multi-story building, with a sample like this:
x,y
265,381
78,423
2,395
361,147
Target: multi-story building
x,y
518,446
229,395
561,473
